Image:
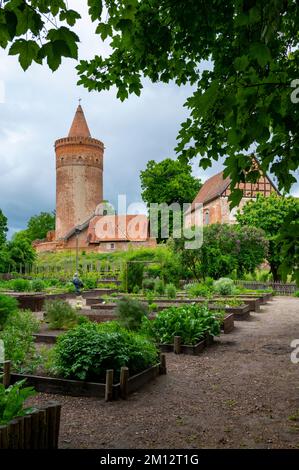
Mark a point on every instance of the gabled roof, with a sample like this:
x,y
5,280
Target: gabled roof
x,y
212,188
79,127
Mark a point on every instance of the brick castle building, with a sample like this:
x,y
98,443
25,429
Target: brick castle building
x,y
214,194
80,218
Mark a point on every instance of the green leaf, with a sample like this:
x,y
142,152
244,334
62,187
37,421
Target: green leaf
x,y
95,8
104,30
261,53
27,50
71,16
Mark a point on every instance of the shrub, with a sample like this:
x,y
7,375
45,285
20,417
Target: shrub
x,y
8,305
198,290
159,287
170,291
132,275
38,285
192,322
21,285
148,284
130,313
87,351
136,290
18,339
59,314
296,293
90,280
224,286
12,401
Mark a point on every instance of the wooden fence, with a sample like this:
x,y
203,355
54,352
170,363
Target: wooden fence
x,y
37,430
279,288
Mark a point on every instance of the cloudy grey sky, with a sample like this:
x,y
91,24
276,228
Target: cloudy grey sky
x,y
39,107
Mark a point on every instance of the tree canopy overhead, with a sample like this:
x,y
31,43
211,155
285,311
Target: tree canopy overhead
x,y
245,98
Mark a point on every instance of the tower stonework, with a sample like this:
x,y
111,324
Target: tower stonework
x,y
79,176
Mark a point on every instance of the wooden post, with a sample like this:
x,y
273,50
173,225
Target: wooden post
x,y
177,345
4,438
57,425
27,432
109,385
124,377
162,368
14,434
6,373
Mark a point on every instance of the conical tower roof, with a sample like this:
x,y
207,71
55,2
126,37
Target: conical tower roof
x,y
79,126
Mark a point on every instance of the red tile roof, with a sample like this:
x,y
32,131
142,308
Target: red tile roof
x,y
118,228
212,189
79,126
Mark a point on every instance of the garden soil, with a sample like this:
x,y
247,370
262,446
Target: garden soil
x,y
241,392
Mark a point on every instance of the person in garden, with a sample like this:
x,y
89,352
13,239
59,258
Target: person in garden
x,y
77,283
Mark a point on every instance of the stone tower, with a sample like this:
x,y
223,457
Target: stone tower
x,y
79,176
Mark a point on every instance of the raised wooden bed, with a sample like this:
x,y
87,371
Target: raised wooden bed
x,y
38,430
254,302
179,348
227,324
109,390
240,313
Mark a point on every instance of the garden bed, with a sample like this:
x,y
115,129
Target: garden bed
x,y
227,325
240,313
179,348
77,388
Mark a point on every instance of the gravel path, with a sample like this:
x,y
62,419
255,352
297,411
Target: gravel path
x,y
241,392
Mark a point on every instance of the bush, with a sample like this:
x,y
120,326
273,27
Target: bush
x,y
296,293
21,285
59,314
224,286
192,322
198,290
148,284
130,313
159,287
87,351
37,285
136,290
8,305
170,290
132,276
18,338
90,280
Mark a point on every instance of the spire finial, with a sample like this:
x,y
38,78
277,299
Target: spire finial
x,y
80,99
79,126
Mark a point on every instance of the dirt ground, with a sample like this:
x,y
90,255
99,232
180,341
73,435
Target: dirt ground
x,y
242,392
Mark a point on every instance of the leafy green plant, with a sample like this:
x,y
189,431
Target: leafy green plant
x,y
148,284
228,302
37,285
192,322
198,290
59,314
130,313
159,287
8,305
296,293
18,339
153,307
136,290
87,351
12,401
224,286
170,290
21,285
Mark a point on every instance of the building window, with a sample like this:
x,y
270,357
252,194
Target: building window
x,y
112,246
207,218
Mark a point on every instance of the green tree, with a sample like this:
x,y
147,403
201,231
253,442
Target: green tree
x,y
21,252
39,225
225,249
278,217
3,228
169,181
241,56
